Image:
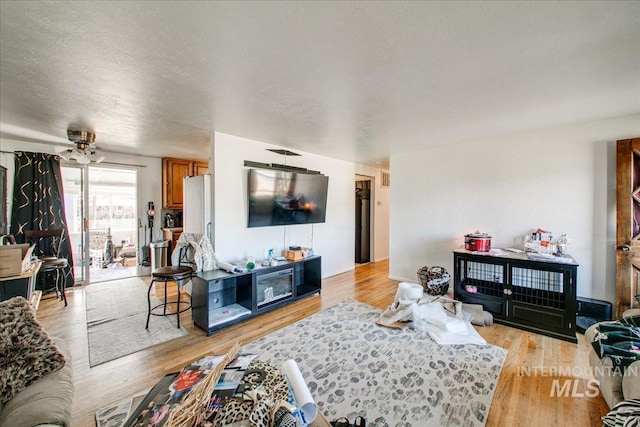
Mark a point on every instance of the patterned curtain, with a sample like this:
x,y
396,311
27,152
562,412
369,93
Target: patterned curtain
x,y
38,202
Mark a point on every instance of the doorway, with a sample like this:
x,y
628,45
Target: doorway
x,y
627,225
363,219
101,210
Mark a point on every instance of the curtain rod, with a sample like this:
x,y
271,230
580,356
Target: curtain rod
x,y
104,163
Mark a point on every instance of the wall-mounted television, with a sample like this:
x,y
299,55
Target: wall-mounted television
x,y
278,197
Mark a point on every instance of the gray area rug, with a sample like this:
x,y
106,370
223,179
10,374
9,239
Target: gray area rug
x,y
390,377
116,316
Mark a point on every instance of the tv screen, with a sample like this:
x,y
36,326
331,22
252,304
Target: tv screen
x,y
283,198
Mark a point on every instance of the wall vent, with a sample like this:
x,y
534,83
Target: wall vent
x,y
385,179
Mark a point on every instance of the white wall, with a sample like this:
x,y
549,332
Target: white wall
x,y
333,240
149,177
560,179
380,208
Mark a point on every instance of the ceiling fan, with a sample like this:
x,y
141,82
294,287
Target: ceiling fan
x,y
84,152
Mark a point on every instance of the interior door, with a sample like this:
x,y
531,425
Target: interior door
x,y
363,223
627,224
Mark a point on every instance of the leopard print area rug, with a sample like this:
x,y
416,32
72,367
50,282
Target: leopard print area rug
x,y
390,377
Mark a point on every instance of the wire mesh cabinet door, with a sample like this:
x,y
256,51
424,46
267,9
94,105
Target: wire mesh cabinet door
x,y
543,297
481,281
533,295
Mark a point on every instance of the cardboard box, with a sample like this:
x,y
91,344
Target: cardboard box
x,y
293,255
15,259
129,262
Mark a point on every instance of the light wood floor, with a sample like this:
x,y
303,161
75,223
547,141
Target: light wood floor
x,y
521,398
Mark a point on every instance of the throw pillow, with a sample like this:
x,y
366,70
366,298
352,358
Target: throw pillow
x,y
625,413
27,351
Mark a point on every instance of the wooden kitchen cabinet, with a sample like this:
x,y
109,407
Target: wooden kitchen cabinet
x,y
200,168
173,173
172,235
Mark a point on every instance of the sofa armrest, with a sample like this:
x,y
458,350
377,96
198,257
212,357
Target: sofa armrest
x,y
45,401
631,312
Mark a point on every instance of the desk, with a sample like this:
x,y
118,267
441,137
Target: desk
x,y
22,284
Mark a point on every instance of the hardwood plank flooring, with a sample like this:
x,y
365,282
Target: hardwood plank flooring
x,y
522,397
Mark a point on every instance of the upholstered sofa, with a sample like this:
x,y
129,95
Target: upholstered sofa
x,y
614,386
35,370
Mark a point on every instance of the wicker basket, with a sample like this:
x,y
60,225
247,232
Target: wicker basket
x,y
434,280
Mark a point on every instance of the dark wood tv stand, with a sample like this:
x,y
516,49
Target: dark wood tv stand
x,y
220,299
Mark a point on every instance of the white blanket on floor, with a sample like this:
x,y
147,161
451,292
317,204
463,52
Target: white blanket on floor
x,y
431,317
443,326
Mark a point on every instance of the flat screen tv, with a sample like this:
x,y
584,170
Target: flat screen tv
x,y
277,197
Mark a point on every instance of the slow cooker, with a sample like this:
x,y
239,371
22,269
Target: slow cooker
x,y
479,242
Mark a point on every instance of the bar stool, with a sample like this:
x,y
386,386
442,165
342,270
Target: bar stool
x,y
48,243
175,273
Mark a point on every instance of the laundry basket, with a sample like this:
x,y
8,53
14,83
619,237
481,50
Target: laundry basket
x,y
435,280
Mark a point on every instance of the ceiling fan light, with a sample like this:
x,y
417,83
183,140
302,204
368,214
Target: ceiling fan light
x,y
94,157
83,159
83,153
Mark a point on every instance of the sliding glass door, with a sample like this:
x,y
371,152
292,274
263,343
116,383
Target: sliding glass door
x,y
73,179
101,209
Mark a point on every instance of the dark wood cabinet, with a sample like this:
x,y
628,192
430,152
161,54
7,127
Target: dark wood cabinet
x,y
220,299
173,173
538,296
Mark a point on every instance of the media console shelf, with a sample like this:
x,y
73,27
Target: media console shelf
x,y
220,299
538,296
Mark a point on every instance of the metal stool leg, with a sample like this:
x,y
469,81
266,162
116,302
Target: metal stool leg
x,y
149,303
61,284
178,307
164,309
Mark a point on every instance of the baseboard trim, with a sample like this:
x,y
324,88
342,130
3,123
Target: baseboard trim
x,y
402,279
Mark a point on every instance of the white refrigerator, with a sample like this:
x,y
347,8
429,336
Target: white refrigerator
x,y
197,207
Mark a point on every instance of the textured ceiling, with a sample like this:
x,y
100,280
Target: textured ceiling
x,y
357,81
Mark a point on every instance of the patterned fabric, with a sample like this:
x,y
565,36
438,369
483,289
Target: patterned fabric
x,y
624,414
631,321
390,377
619,341
434,280
26,351
199,252
38,202
275,387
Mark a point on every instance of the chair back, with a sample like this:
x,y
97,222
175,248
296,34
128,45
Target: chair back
x,y
47,241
